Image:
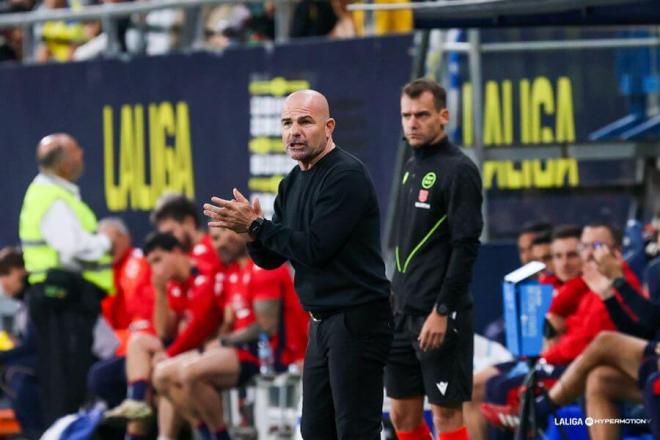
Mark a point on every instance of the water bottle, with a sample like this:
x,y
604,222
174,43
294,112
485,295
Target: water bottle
x,y
266,361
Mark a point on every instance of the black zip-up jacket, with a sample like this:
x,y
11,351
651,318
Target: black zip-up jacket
x,y
326,223
437,230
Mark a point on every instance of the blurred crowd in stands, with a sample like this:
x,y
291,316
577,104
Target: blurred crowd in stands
x,y
162,31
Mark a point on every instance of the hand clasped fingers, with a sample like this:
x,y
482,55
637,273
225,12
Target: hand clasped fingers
x,y
220,211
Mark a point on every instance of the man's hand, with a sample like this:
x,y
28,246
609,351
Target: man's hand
x,y
159,282
433,331
597,282
237,214
609,263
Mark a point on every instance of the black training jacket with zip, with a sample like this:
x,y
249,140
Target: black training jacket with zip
x,y
438,224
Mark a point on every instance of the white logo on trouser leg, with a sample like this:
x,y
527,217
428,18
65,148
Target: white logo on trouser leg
x,y
442,386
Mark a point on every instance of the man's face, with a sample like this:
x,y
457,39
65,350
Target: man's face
x,y
306,130
566,258
229,244
13,282
72,162
525,247
182,231
422,123
165,264
543,253
591,238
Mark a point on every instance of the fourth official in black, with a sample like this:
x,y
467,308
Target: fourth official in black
x,y
438,224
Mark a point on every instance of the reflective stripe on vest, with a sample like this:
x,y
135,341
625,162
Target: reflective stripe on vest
x,y
38,255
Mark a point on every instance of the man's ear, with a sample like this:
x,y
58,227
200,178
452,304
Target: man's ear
x,y
329,126
444,116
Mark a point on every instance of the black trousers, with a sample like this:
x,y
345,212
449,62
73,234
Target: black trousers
x,y
343,374
64,336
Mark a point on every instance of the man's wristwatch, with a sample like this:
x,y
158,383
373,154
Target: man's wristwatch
x,y
255,227
441,309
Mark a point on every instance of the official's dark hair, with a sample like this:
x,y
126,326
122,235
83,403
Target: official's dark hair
x,y
10,258
159,240
615,232
536,228
414,89
542,238
176,207
566,231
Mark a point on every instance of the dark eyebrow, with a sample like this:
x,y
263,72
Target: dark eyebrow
x,y
421,113
300,119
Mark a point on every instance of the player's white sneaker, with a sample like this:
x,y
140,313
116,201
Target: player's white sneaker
x,y
130,409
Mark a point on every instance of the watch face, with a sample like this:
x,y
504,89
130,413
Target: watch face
x,y
442,309
255,227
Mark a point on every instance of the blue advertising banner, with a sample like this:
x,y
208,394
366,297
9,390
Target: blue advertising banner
x,y
199,124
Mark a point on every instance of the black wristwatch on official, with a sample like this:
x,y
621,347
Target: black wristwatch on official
x,y
255,227
441,309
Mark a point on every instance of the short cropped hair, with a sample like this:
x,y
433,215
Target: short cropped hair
x,y
414,89
542,238
615,232
10,258
159,240
566,231
176,207
536,228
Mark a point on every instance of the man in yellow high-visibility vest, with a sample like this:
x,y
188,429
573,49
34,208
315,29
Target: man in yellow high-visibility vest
x,y
70,269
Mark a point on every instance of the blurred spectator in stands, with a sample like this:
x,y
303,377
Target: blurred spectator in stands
x,y
542,252
313,18
384,22
526,236
163,30
59,39
261,26
98,42
331,18
225,25
10,6
345,26
19,378
11,44
228,25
